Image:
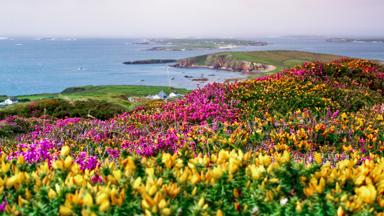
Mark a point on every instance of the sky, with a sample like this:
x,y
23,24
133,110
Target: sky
x,y
191,18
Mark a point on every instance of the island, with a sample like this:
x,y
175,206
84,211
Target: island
x,y
200,44
150,61
355,40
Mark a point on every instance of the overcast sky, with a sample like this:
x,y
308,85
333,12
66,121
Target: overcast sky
x,y
185,18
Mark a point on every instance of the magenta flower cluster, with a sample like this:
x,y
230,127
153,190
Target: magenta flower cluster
x,y
35,152
145,131
86,161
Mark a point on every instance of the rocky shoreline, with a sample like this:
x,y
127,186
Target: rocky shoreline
x,y
226,64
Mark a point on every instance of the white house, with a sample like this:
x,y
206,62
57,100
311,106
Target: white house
x,y
173,95
156,97
8,101
163,95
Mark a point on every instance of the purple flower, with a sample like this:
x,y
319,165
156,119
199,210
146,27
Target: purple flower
x,y
335,114
299,72
67,121
87,162
35,152
362,143
114,153
3,205
96,179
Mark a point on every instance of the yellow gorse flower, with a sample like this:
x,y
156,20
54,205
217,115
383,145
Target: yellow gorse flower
x,y
65,151
367,193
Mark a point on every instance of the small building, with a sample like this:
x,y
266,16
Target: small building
x,y
156,97
9,101
173,95
163,96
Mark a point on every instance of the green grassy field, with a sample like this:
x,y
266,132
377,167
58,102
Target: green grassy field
x,y
111,93
3,97
281,59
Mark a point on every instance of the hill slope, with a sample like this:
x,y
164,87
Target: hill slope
x,y
306,141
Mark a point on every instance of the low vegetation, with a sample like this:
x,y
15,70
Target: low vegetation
x,y
59,108
306,141
101,102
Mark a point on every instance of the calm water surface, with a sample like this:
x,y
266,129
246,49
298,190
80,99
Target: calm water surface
x,y
29,66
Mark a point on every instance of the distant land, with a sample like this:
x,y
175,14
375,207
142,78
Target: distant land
x,y
251,64
255,62
355,40
150,61
198,44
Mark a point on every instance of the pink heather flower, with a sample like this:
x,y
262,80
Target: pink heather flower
x,y
96,179
114,153
36,152
125,144
3,205
364,159
87,162
137,131
67,121
335,114
299,72
380,75
362,142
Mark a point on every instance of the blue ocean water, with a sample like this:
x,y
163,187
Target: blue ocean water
x,y
30,66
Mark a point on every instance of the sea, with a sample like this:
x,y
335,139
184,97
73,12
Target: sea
x,y
49,65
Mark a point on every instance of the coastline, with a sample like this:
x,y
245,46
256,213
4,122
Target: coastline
x,y
269,68
242,65
254,63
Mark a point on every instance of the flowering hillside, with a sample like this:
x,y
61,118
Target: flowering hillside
x,y
308,140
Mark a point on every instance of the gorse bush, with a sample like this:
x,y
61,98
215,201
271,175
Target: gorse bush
x,y
306,141
342,85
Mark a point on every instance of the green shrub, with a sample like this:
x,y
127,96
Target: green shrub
x,y
60,108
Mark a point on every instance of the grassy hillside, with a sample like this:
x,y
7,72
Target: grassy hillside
x,y
281,59
306,141
284,59
84,99
112,93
